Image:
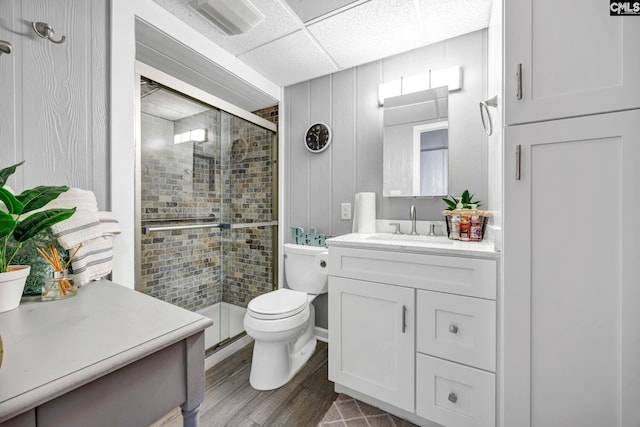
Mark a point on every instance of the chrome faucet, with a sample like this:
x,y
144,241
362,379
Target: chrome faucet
x,y
412,217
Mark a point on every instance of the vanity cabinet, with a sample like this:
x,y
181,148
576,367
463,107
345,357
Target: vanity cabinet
x,y
567,59
416,331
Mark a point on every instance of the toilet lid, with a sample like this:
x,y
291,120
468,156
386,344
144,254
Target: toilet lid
x,y
277,304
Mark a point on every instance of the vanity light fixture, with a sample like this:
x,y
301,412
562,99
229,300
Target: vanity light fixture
x,y
233,17
451,77
196,135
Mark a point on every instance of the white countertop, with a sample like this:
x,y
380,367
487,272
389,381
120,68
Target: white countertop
x,y
415,244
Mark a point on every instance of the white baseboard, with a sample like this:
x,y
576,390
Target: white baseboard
x,y
322,334
226,351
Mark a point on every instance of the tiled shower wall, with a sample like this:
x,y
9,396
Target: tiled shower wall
x,y
187,181
181,181
249,252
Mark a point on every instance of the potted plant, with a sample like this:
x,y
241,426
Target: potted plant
x,y
16,225
466,201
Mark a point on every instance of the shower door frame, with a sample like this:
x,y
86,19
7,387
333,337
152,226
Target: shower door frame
x,y
142,69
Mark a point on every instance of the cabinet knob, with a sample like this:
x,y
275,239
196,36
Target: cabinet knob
x,y
452,398
453,329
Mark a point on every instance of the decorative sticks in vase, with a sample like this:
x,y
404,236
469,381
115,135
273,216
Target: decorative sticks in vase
x,y
61,285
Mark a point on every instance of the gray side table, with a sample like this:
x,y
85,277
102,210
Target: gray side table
x,y
109,356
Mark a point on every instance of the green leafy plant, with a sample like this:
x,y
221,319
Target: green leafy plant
x,y
466,200
13,223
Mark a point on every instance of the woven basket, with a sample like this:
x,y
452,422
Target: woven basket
x,y
474,232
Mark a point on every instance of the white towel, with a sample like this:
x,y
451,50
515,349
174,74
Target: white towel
x,y
94,230
108,223
82,226
94,260
82,200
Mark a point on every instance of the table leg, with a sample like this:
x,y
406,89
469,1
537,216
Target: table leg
x,y
191,418
194,352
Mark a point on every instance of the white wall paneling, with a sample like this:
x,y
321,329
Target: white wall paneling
x,y
53,112
347,101
319,189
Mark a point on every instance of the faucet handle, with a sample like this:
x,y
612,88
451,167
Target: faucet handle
x,y
432,229
397,224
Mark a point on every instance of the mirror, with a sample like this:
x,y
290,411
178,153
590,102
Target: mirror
x,y
416,144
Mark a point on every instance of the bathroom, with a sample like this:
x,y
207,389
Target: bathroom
x,y
91,86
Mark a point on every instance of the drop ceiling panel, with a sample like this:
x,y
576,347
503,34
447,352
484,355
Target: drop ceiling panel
x,y
441,20
278,21
289,60
311,9
370,31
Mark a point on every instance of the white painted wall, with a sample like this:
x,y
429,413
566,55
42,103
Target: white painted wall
x,y
494,74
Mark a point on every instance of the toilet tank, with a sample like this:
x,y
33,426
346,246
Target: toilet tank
x,y
303,269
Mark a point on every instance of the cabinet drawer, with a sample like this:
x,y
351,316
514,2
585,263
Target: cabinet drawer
x,y
457,328
463,276
454,395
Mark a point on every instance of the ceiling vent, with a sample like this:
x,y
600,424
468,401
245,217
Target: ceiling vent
x,y
233,17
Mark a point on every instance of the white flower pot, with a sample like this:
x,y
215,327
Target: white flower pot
x,y
11,286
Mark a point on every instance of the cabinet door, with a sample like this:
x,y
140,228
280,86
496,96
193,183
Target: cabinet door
x,y
571,273
575,59
371,339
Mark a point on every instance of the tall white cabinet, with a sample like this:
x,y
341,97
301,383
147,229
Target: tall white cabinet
x,y
570,317
565,59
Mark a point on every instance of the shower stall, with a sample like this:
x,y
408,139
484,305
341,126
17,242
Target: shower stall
x,y
206,206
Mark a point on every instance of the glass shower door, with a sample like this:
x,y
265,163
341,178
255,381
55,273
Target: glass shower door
x,y
206,208
249,207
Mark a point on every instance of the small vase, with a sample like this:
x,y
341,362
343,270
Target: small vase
x,y
60,286
11,286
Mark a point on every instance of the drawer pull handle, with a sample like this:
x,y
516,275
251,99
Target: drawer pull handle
x,y
452,398
404,319
453,329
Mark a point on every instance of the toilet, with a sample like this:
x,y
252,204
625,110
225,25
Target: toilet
x,y
282,322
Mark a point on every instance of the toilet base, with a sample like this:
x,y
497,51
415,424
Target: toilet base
x,y
275,363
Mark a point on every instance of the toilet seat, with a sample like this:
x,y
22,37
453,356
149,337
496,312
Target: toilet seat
x,y
278,304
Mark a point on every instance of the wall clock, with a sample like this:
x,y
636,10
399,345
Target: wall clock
x,y
317,138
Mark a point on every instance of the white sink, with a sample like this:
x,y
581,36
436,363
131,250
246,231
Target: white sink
x,y
431,240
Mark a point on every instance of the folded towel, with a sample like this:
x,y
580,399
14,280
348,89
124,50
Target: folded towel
x,y
87,227
80,227
82,200
108,223
94,260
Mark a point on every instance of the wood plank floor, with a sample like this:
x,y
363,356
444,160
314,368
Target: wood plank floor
x,y
230,401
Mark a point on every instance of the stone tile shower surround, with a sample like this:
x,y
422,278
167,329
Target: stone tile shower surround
x,y
190,180
248,252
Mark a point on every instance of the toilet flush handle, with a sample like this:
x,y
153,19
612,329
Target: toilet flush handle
x,y
320,262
